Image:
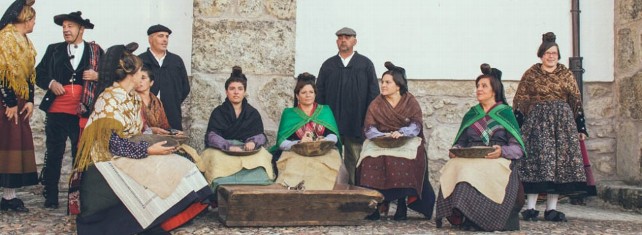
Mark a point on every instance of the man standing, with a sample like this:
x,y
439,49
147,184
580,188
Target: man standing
x,y
348,83
65,72
170,84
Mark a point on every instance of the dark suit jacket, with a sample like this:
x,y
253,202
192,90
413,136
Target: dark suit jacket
x,y
55,65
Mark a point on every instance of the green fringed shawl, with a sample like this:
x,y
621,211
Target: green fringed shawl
x,y
294,118
502,113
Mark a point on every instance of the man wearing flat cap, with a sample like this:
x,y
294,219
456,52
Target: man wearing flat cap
x,y
170,83
67,72
348,83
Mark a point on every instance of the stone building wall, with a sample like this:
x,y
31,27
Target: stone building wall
x,y
259,36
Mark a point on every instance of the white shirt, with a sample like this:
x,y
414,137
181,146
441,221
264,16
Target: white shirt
x,y
346,61
77,52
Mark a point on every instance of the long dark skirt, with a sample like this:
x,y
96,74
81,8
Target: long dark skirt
x,y
398,178
483,212
554,161
17,158
102,212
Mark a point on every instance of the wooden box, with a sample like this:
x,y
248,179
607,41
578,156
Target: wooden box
x,y
273,205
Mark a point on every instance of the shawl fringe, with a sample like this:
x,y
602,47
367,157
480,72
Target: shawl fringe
x,y
94,144
17,60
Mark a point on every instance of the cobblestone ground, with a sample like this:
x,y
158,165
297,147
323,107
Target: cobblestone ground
x,y
595,218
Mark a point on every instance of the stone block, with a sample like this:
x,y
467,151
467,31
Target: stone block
x,y
440,141
251,8
629,150
601,145
601,128
276,95
628,11
281,9
625,52
631,96
259,46
212,8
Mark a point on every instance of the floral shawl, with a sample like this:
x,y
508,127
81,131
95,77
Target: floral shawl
x,y
116,111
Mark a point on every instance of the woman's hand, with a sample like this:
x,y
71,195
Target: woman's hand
x,y
27,110
159,131
249,146
451,155
159,149
12,113
495,154
235,149
307,137
582,136
395,134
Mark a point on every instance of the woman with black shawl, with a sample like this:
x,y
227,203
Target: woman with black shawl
x,y
484,193
234,140
399,173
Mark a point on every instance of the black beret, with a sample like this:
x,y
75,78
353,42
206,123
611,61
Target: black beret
x,y
75,17
158,28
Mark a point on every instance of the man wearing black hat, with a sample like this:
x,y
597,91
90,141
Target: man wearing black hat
x,y
67,72
348,83
170,83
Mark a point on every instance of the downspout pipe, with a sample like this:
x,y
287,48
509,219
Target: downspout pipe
x,y
575,62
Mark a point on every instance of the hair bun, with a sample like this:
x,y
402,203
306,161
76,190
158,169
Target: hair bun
x,y
303,77
131,47
548,37
237,71
30,2
389,65
485,68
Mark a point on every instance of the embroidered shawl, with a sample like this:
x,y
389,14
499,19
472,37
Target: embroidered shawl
x,y
501,113
17,60
294,118
116,111
154,113
538,85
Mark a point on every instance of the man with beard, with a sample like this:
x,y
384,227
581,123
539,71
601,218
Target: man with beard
x,y
348,83
170,84
67,72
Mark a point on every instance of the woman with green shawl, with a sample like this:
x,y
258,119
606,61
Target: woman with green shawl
x,y
307,121
484,193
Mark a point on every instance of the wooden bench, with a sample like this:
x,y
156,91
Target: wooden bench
x,y
273,205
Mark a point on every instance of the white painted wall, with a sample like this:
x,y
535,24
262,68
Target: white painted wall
x,y
449,39
117,22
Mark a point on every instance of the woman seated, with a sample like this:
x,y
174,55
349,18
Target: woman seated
x,y
128,187
484,193
307,122
400,172
235,128
154,116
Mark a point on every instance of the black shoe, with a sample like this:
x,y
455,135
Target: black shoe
x,y
555,216
13,204
530,215
402,210
51,197
374,216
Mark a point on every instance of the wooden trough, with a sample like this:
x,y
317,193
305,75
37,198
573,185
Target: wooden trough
x,y
273,205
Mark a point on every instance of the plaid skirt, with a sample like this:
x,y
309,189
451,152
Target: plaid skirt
x,y
17,158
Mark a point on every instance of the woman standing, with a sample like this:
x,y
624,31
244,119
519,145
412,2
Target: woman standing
x,y
398,173
549,107
17,76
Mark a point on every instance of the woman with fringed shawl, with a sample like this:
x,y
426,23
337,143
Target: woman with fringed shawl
x,y
305,122
17,76
484,193
236,127
401,172
129,187
548,105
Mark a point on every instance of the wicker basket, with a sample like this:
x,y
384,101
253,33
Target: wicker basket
x,y
152,139
314,148
241,153
472,152
389,142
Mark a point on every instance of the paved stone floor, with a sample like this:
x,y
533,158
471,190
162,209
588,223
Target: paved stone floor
x,y
595,218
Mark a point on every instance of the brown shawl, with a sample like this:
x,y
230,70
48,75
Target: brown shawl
x,y
154,113
538,85
386,118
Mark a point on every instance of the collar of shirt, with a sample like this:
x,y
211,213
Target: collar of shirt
x,y
346,61
161,59
76,50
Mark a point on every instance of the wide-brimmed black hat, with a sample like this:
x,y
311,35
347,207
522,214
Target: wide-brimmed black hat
x,y
158,28
75,17
12,13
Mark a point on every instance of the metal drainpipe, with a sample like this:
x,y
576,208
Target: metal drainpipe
x,y
575,62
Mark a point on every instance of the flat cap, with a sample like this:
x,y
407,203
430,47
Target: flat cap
x,y
346,31
158,28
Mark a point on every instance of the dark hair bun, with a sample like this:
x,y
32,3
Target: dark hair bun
x,y
237,71
485,68
548,37
131,47
304,77
389,65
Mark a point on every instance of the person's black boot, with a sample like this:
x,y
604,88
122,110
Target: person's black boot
x,y
402,210
14,204
51,197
